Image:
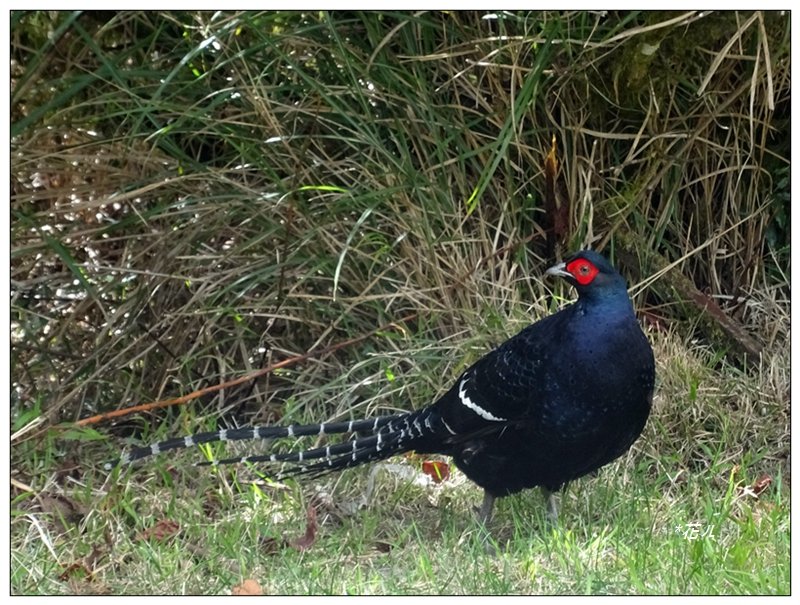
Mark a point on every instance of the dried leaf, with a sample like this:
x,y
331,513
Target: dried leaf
x,y
93,557
436,469
161,531
271,546
75,571
63,510
556,205
551,164
307,540
247,588
760,484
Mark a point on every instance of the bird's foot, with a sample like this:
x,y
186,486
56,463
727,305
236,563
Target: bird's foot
x,y
486,509
484,519
551,502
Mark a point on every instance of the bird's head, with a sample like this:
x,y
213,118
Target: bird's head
x,y
591,274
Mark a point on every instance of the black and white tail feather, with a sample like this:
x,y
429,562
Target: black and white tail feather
x,y
373,439
457,424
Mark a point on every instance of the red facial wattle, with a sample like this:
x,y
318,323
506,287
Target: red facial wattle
x,y
583,271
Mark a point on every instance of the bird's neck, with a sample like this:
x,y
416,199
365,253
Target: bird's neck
x,y
613,304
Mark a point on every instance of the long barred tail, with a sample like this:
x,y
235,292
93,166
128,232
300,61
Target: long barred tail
x,y
385,436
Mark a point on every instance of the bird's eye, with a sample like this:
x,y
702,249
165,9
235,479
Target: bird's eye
x,y
583,271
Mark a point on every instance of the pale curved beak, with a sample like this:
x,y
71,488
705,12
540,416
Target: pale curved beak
x,y
559,270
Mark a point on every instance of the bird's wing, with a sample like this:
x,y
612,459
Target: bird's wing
x,y
504,386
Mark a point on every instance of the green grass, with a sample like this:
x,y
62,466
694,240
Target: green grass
x,y
736,546
195,195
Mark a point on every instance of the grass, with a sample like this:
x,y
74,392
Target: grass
x,y
675,516
196,195
411,547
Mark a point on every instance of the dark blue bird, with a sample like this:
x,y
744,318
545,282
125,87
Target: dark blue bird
x,y
564,397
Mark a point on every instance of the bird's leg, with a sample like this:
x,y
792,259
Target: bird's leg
x,y
484,518
552,505
487,508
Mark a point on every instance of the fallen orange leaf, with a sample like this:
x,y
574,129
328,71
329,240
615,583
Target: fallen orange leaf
x,y
247,588
439,471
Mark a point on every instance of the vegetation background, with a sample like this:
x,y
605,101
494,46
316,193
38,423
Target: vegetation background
x,y
197,195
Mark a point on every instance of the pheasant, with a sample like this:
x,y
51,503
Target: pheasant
x,y
564,397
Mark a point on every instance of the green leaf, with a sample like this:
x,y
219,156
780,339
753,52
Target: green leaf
x,y
83,433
